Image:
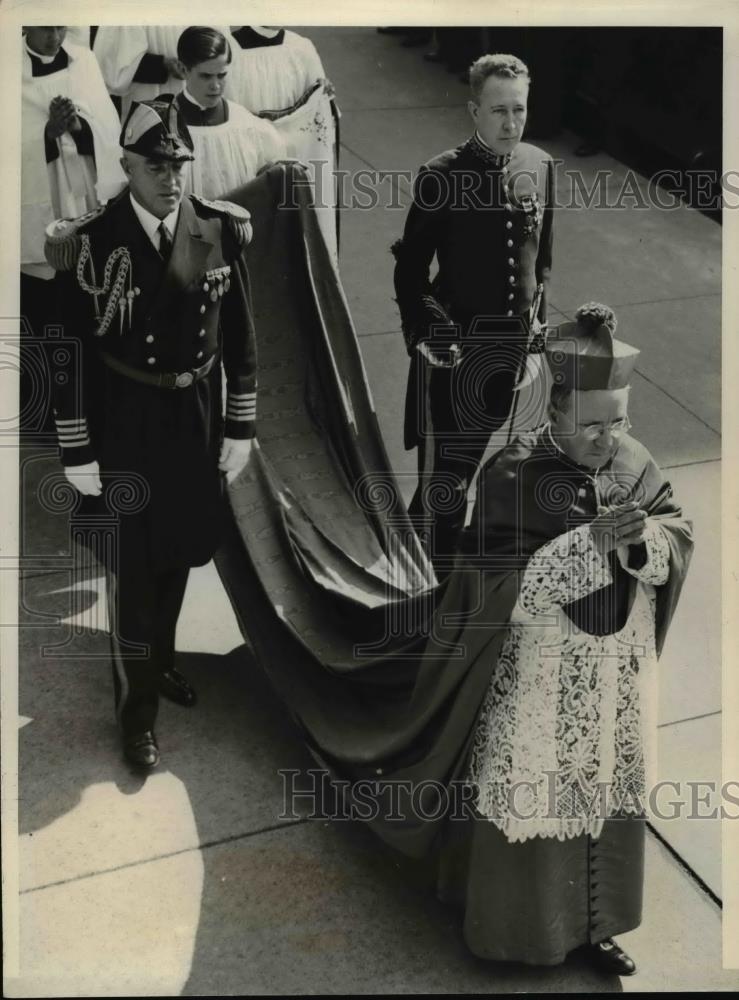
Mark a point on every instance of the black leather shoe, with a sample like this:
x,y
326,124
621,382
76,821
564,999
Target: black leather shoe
x,y
141,750
175,687
610,958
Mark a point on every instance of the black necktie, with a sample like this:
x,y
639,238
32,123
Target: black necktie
x,y
165,241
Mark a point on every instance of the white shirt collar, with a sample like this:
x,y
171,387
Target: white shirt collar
x,y
150,222
186,94
46,60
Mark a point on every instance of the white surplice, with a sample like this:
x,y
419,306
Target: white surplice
x,y
273,77
310,136
71,184
232,153
567,733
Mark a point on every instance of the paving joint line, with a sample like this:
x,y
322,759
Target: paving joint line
x,y
414,107
686,465
163,857
566,310
390,173
690,872
691,718
678,402
31,574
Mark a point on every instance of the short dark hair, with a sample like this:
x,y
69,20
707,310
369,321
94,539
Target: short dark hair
x,y
197,45
496,64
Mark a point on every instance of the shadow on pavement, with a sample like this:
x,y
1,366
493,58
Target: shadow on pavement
x,y
288,905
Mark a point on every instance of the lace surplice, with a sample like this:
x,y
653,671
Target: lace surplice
x,y
568,720
230,154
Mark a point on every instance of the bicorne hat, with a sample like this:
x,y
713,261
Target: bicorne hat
x,y
156,129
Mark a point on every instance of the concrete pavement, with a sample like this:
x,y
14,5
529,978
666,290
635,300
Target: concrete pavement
x,y
241,900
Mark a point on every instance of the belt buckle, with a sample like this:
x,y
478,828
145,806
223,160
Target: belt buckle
x,y
183,380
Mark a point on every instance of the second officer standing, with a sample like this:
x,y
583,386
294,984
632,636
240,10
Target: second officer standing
x,y
484,210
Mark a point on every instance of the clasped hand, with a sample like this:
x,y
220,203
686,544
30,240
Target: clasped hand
x,y
62,117
621,525
235,454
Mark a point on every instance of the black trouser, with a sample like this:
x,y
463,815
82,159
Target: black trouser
x,y
463,406
38,312
144,607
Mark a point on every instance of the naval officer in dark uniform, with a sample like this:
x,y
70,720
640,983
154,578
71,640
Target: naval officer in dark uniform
x,y
154,295
484,210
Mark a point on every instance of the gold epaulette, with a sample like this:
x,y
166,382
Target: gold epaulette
x,y
238,218
63,242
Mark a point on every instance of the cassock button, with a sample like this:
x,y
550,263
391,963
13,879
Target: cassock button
x,y
509,313
202,310
511,280
509,243
201,333
199,354
149,339
151,361
510,296
509,224
511,261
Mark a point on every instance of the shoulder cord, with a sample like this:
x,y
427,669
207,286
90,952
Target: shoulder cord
x,y
119,254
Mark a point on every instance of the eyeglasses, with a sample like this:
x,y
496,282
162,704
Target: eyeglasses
x,y
616,428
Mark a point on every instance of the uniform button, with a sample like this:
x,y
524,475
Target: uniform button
x,y
149,339
151,361
509,243
509,224
510,296
199,354
511,261
201,333
202,310
511,280
509,313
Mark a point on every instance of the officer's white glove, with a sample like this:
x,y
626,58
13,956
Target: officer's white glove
x,y
85,478
234,456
